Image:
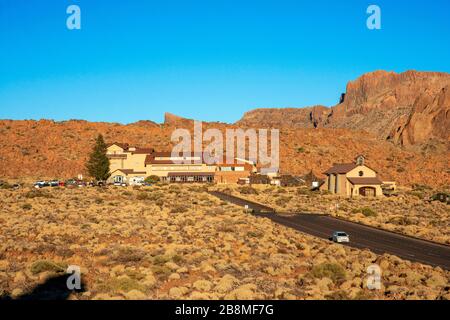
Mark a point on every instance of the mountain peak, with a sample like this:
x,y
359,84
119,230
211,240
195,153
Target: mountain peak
x,y
409,108
172,119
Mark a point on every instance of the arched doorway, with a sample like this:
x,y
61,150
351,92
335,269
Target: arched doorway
x,y
367,191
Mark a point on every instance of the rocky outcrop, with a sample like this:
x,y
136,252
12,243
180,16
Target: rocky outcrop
x,y
309,117
409,108
430,117
145,124
174,120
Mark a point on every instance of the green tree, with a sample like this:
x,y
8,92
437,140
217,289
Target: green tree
x,y
98,163
152,179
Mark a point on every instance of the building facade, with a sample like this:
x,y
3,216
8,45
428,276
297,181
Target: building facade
x,y
353,179
129,164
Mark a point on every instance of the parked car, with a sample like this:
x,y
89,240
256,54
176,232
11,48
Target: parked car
x,y
71,183
137,181
41,184
120,184
54,183
80,183
340,237
96,183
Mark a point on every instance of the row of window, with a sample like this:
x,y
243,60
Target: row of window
x,y
188,179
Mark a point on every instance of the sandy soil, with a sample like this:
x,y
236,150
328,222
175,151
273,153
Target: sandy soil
x,y
178,242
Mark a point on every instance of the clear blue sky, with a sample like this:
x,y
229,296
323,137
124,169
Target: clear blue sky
x,y
209,60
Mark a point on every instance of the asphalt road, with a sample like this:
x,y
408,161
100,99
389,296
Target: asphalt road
x,y
362,237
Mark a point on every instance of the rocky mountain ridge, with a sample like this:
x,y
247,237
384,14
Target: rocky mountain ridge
x,y
399,121
409,108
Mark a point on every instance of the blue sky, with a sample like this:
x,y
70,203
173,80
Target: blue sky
x,y
210,60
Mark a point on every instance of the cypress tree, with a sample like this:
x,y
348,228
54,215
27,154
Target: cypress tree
x,y
98,163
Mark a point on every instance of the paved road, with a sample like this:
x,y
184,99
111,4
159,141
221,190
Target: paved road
x,y
257,207
379,241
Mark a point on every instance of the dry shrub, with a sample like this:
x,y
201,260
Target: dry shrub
x,y
401,221
5,185
142,196
255,234
174,189
121,284
337,295
161,271
45,265
248,190
179,209
368,212
225,227
198,189
215,211
333,271
127,254
35,193
27,206
283,201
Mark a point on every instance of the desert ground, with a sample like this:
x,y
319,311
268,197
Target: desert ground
x,y
179,242
408,213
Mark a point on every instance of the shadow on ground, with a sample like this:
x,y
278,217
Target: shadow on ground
x,y
54,288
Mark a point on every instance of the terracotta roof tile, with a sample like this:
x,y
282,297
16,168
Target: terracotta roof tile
x,y
341,168
124,146
362,180
130,171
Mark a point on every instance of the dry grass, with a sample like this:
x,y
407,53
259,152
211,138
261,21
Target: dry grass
x,y
178,242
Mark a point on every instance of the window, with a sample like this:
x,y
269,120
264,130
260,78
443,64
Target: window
x,y
361,173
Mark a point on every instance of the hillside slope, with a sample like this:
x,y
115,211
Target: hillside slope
x,y
48,149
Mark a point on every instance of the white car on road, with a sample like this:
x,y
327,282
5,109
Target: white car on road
x,y
340,237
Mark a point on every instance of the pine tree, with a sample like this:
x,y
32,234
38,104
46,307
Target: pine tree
x,y
98,163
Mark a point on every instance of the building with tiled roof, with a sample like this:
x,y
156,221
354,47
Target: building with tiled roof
x,y
353,179
128,164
